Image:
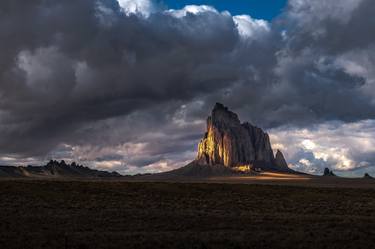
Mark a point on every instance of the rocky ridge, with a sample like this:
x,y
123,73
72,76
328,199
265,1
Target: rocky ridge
x,y
54,169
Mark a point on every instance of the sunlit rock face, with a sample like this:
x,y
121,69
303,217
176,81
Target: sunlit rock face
x,y
228,142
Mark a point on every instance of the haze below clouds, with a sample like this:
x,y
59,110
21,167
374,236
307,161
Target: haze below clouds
x,y
128,85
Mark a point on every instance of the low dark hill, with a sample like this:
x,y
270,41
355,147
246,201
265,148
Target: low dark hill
x,y
194,169
54,169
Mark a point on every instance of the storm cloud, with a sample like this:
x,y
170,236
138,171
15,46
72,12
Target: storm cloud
x,y
128,84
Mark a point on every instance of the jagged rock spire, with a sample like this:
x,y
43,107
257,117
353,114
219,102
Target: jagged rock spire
x,y
328,172
280,160
228,142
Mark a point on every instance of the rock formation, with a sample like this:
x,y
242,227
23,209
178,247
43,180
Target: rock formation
x,y
367,176
280,160
54,169
328,172
234,144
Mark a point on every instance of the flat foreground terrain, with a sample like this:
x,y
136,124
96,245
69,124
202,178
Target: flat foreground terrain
x,y
104,214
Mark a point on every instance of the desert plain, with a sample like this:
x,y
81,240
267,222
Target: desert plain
x,y
266,211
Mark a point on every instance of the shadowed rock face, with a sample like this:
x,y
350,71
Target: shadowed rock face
x,y
232,144
328,172
367,176
280,160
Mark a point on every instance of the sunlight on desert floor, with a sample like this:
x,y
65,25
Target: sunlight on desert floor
x,y
269,176
291,179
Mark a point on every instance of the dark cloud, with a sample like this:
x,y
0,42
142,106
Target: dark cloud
x,y
100,80
61,73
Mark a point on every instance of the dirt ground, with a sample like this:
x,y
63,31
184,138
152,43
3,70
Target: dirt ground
x,y
263,213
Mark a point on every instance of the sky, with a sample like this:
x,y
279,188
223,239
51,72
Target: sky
x,y
266,9
127,85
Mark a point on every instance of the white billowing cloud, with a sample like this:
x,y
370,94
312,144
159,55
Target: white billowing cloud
x,y
143,7
191,9
308,144
340,146
249,27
